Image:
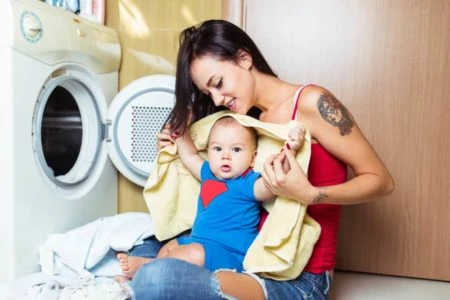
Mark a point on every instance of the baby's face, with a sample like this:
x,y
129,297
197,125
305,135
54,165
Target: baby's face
x,y
231,150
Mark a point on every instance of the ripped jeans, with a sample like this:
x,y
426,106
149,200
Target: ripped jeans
x,y
170,278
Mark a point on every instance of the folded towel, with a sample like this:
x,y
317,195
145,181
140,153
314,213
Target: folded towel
x,y
283,246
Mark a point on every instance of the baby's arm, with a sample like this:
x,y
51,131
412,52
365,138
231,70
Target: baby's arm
x,y
188,154
261,191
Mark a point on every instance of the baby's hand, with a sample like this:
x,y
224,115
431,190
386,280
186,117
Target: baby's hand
x,y
296,137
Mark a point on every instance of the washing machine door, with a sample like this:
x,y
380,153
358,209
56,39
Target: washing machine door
x,y
135,116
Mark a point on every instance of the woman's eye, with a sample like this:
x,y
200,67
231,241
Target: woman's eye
x,y
219,84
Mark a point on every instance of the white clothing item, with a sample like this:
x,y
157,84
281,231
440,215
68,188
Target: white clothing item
x,y
39,286
73,261
87,251
96,290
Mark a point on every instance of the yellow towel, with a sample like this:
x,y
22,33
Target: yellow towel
x,y
284,244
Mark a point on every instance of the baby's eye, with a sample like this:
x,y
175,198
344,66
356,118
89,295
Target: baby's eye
x,y
217,148
237,149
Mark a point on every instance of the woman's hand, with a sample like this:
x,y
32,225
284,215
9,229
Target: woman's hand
x,y
293,183
164,138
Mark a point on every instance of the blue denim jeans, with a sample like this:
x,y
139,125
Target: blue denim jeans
x,y
175,279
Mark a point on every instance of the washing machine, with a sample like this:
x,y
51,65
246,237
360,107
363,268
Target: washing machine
x,y
64,127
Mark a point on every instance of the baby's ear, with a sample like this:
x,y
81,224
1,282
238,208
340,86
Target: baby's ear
x,y
253,159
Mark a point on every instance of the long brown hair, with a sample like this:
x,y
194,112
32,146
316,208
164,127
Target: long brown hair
x,y
223,41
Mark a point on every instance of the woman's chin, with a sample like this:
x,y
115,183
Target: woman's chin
x,y
241,111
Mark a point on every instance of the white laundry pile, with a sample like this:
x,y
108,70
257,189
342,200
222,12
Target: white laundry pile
x,y
43,287
80,263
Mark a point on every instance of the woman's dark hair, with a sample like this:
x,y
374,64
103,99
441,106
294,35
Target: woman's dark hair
x,y
216,38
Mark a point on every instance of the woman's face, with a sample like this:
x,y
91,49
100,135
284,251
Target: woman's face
x,y
228,83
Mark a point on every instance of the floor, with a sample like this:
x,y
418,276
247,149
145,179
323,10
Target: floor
x,y
357,286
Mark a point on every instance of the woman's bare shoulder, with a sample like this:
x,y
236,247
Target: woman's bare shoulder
x,y
319,107
310,97
311,94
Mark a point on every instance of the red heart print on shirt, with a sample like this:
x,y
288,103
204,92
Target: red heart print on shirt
x,y
210,190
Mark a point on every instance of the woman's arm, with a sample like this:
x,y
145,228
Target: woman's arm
x,y
334,128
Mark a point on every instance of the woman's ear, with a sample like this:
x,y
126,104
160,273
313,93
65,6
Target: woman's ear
x,y
244,59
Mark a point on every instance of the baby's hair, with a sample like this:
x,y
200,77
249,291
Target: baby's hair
x,y
229,120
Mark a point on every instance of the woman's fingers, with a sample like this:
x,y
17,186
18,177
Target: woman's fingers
x,y
289,183
273,172
164,137
268,169
162,144
291,158
277,164
281,156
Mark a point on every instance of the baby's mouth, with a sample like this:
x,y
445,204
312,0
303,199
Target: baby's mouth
x,y
225,168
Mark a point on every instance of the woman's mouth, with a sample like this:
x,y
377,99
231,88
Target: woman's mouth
x,y
232,104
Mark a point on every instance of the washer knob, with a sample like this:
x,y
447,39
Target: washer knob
x,y
31,26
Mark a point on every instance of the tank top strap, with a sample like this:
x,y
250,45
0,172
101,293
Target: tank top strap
x,y
296,100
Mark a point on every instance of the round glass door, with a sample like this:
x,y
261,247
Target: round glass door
x,y
67,130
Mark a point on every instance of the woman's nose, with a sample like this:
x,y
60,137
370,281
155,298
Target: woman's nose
x,y
217,98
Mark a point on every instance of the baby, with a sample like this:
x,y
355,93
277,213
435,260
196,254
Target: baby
x,y
229,202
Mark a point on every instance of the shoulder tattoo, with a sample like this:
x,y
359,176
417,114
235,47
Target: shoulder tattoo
x,y
335,113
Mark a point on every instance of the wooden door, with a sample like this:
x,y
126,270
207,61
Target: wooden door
x,y
389,63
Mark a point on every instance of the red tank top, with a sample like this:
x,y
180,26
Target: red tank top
x,y
324,170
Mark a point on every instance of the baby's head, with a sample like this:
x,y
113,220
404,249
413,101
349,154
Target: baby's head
x,y
231,148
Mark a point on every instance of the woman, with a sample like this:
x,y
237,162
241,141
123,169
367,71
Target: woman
x,y
220,67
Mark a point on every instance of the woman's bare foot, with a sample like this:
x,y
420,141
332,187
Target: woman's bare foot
x,y
130,264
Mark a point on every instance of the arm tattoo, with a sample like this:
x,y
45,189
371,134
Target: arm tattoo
x,y
321,197
335,113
